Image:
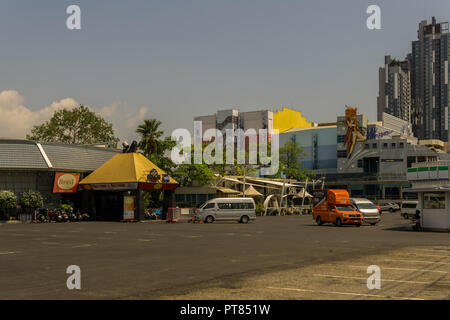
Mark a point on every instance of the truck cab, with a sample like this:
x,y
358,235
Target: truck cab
x,y
333,206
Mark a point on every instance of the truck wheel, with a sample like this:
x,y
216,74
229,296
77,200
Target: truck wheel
x,y
391,209
338,222
372,224
209,219
244,219
319,221
358,225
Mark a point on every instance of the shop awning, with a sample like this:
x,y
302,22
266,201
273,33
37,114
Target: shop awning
x,y
127,171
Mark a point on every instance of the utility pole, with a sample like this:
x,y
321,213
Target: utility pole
x,y
304,194
243,190
283,190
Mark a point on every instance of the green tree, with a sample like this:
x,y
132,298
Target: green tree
x,y
151,142
75,126
32,199
291,155
187,174
153,146
8,200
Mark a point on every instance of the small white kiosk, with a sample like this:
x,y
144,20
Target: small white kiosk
x,y
431,182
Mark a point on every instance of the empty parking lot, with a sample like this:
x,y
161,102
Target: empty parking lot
x,y
271,258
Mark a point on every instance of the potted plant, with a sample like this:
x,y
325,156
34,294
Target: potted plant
x,y
8,201
30,201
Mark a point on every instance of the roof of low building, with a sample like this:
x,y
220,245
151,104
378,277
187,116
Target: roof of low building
x,y
125,168
33,155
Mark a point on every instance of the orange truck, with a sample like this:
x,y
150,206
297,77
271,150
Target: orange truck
x,y
333,206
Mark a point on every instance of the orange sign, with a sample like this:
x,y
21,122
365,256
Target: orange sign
x,y
66,182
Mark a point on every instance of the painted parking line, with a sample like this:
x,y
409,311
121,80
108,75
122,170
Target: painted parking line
x,y
145,240
49,242
417,261
344,293
387,280
84,245
7,252
427,255
403,269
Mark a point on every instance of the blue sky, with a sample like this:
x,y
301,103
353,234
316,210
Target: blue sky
x,y
175,59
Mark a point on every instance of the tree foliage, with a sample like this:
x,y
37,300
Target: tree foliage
x,y
31,199
75,126
187,174
291,155
151,142
8,200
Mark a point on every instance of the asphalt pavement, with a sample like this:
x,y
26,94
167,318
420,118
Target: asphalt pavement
x,y
286,257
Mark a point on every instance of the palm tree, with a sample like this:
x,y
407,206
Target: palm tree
x,y
150,135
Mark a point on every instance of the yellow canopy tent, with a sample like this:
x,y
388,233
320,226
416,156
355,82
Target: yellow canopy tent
x,y
228,191
252,192
128,171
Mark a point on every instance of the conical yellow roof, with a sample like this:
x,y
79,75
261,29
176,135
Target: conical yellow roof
x,y
125,167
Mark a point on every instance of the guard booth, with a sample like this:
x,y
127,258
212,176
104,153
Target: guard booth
x,y
115,190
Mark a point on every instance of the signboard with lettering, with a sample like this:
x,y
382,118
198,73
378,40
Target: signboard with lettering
x,y
115,186
128,207
66,182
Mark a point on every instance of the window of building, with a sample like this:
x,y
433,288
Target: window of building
x,y
340,138
366,146
434,200
179,198
342,154
360,163
211,196
401,145
201,198
392,145
385,145
374,145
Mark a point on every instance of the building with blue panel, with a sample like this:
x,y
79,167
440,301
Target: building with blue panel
x,y
320,145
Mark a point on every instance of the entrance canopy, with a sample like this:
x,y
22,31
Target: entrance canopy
x,y
128,171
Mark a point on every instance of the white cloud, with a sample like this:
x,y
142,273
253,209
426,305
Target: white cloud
x,y
16,120
133,120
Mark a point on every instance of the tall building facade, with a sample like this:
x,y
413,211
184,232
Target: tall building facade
x,y
430,89
394,95
233,119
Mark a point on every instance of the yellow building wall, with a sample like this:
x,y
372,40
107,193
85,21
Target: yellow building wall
x,y
286,119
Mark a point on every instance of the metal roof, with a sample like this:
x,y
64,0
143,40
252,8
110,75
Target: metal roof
x,y
21,154
76,157
29,155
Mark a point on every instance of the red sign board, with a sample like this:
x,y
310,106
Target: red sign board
x,y
66,182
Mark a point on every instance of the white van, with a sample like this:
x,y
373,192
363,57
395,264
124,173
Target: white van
x,y
227,209
408,209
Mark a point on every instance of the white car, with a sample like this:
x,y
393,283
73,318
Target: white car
x,y
369,211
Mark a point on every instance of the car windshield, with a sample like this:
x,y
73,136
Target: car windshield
x,y
345,208
203,205
366,205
